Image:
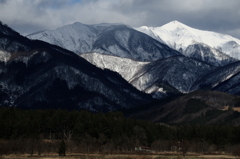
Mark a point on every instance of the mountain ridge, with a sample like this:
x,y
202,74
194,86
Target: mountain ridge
x,y
111,39
121,41
198,107
180,36
159,78
35,74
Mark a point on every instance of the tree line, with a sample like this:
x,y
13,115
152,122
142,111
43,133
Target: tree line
x,y
42,131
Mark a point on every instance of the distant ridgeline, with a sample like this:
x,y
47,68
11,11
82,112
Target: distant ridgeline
x,y
41,132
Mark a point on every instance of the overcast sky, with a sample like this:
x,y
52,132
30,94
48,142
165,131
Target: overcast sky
x,y
28,16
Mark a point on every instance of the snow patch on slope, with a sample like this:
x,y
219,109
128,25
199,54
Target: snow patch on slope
x,y
124,66
4,56
128,69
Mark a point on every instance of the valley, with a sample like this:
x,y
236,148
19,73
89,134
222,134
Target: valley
x,y
40,133
119,79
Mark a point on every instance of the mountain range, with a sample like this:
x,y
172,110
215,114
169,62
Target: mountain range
x,y
106,67
110,39
35,74
174,58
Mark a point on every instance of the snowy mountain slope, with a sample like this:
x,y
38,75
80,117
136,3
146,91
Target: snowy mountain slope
x,y
127,68
36,75
225,79
179,36
68,37
111,39
160,78
171,74
207,54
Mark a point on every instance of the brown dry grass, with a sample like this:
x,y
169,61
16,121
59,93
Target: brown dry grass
x,y
88,156
121,156
234,108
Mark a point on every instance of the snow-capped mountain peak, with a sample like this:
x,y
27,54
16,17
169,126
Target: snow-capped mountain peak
x,y
180,36
173,25
176,32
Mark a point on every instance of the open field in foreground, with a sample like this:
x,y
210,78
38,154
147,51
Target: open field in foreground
x,y
122,156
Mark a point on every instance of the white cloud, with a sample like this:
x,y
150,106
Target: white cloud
x,y
27,16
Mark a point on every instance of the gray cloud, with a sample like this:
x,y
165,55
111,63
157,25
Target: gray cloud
x,y
30,16
3,1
